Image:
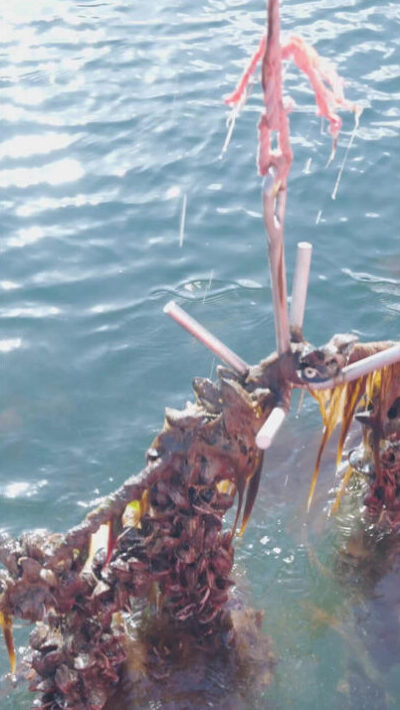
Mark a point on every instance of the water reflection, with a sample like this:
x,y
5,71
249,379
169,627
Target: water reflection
x,y
10,344
110,114
22,146
30,235
57,173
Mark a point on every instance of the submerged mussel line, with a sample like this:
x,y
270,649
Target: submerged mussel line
x,y
166,547
165,539
377,459
373,400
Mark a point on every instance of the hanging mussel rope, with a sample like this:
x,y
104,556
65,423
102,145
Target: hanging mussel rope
x,y
159,541
159,538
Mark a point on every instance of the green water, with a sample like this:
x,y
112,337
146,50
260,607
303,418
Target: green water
x,y
111,112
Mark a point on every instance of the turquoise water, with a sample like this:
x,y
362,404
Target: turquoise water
x,y
111,114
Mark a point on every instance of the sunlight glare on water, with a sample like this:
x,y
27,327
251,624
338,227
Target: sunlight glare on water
x,y
112,120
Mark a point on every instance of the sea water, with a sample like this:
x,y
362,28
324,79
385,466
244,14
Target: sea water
x,y
114,199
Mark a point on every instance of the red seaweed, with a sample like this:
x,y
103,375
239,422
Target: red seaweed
x,y
328,88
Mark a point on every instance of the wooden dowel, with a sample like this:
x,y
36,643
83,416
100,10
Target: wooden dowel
x,y
204,336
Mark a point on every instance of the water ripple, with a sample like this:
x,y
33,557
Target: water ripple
x,y
57,173
111,113
7,346
207,290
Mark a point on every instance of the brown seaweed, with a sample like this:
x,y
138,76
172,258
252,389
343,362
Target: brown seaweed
x,y
374,401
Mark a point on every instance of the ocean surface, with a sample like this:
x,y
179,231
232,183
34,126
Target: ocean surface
x,y
112,122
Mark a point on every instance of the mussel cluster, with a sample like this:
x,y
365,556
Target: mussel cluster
x,y
166,549
166,552
374,401
380,420
383,499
